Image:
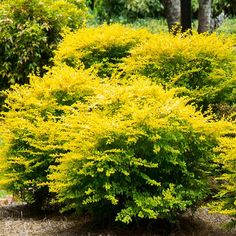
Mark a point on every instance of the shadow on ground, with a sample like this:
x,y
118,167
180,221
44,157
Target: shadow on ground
x,y
19,220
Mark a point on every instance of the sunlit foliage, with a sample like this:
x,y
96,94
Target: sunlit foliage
x,y
99,49
110,128
129,145
202,66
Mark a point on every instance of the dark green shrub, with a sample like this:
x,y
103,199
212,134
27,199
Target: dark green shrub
x,y
30,31
228,6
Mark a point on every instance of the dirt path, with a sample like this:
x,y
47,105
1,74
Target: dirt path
x,y
17,220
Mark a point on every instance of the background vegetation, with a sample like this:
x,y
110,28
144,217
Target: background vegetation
x,y
131,10
30,31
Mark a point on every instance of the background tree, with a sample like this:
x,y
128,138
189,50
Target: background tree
x,y
204,16
130,10
186,15
173,13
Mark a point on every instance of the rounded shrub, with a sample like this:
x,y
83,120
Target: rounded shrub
x,y
100,49
30,133
30,31
204,65
97,144
138,151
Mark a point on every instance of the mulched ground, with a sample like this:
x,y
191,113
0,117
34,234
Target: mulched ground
x,y
18,220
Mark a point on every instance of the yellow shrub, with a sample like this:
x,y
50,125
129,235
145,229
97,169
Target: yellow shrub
x,y
98,143
100,48
129,143
30,128
204,65
137,148
225,200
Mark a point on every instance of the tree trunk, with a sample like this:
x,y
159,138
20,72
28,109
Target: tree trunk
x,y
186,15
173,13
204,16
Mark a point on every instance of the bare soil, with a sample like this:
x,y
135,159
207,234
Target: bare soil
x,y
18,220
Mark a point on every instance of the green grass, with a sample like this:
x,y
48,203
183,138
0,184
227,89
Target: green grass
x,y
228,26
160,25
153,25
3,193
